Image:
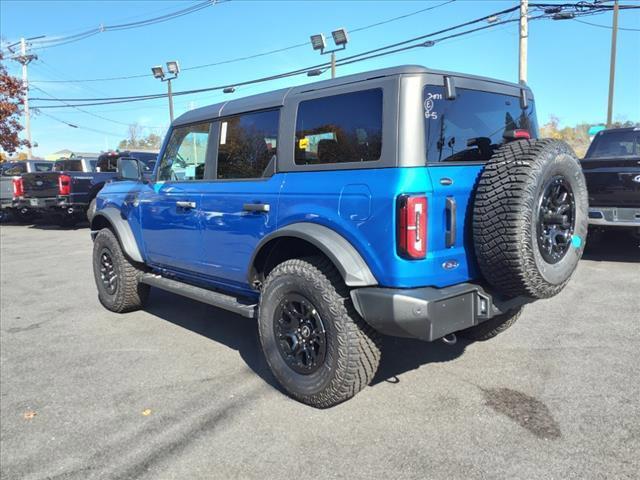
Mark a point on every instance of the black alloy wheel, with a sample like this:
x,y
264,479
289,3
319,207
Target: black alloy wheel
x,y
300,334
556,219
108,273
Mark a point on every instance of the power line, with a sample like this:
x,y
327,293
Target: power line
x,y
374,53
347,60
58,41
256,55
88,112
607,26
72,125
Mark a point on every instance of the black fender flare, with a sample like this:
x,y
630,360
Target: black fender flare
x,y
122,230
339,250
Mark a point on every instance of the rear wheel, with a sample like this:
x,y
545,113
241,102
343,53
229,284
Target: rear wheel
x,y
117,277
315,343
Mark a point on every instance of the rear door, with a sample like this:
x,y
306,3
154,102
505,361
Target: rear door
x,y
240,206
170,208
461,136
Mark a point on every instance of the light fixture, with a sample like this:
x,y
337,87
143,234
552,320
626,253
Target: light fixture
x,y
563,16
173,67
229,90
340,37
157,71
318,42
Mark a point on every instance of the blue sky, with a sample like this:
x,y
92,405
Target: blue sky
x,y
568,61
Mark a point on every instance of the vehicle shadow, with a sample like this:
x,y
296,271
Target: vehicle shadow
x,y
45,224
614,246
399,354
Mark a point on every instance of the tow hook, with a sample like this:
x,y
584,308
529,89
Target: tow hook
x,y
450,339
70,210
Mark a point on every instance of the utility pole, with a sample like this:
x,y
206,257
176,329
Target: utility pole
x,y
25,59
524,36
612,66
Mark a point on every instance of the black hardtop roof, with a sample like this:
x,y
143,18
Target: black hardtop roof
x,y
621,129
276,97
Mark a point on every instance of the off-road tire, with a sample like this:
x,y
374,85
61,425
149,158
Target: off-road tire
x,y
129,294
492,327
352,346
505,217
91,210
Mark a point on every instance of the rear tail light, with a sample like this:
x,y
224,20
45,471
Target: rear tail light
x,y
64,185
18,188
412,226
518,134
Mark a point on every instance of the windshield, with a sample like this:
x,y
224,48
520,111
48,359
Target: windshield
x,y
470,127
615,144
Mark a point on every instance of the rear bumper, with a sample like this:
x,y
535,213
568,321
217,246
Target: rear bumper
x,y
53,205
428,313
614,216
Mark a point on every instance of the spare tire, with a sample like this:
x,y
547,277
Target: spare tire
x,y
530,218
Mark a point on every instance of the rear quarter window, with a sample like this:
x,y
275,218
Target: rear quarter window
x,y
339,128
472,126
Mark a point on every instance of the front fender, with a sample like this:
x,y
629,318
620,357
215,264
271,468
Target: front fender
x,y
121,227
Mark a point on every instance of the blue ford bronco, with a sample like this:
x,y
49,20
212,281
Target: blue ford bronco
x,y
404,201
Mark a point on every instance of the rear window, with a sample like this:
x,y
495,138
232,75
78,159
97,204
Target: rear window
x,y
615,144
340,128
43,167
472,126
68,166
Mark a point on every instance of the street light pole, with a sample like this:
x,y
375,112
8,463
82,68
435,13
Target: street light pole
x,y
612,66
333,64
318,42
158,72
170,95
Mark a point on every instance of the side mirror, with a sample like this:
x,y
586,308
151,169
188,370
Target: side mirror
x,y
129,169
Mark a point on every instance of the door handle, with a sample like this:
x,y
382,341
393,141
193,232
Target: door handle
x,y
450,234
185,204
256,207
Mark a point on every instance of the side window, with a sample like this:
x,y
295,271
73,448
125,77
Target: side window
x,y
248,142
14,169
107,163
186,153
340,128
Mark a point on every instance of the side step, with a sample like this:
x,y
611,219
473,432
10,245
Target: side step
x,y
203,295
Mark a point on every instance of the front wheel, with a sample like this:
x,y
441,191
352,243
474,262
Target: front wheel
x,y
117,277
315,343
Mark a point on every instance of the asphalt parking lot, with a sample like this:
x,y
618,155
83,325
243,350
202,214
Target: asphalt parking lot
x,y
181,390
